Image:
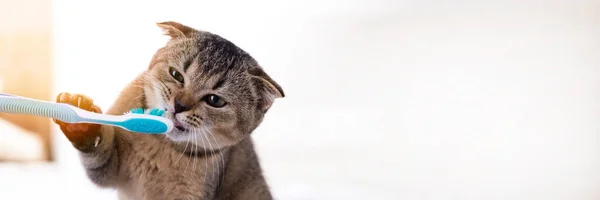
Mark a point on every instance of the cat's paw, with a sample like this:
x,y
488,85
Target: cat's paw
x,y
82,135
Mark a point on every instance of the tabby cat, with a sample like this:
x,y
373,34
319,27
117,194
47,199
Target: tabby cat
x,y
215,93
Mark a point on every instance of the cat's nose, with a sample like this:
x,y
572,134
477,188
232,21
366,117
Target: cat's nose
x,y
179,107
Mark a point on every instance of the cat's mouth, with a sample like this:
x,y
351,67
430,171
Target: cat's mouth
x,y
178,125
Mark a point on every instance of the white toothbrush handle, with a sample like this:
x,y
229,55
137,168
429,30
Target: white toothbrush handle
x,y
92,117
60,111
27,106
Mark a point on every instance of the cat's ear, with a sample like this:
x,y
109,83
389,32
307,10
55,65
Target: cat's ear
x,y
175,29
267,87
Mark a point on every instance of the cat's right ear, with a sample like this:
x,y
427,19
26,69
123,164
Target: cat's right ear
x,y
175,29
268,88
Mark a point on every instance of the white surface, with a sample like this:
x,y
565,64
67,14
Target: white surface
x,y
47,181
18,144
423,100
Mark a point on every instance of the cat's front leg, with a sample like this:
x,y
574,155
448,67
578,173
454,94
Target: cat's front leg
x,y
95,142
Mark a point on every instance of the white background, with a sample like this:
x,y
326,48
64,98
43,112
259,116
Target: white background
x,y
385,99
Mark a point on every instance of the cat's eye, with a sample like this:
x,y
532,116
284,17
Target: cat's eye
x,y
214,101
175,74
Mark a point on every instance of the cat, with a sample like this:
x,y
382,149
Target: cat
x,y
215,93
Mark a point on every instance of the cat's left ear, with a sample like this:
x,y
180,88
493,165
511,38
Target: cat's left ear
x,y
268,88
175,29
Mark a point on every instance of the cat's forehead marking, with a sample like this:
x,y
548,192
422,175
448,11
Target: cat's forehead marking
x,y
209,61
217,56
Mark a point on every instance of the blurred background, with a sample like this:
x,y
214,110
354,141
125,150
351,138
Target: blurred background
x,y
385,99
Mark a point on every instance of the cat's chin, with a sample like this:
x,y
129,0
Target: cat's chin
x,y
178,136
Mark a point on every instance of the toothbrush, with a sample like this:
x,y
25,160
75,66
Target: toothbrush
x,y
150,122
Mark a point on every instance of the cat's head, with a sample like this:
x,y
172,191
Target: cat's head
x,y
215,92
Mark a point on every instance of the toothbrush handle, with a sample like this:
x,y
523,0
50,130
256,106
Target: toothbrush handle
x,y
22,105
71,114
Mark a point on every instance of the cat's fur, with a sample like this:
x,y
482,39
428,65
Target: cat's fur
x,y
210,155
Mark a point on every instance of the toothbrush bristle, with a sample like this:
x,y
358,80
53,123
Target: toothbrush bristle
x,y
154,111
137,111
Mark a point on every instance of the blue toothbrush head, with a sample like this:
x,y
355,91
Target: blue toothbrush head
x,y
148,121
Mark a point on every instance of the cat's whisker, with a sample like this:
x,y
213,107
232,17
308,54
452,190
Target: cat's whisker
x,y
220,154
205,161
214,173
143,81
143,84
195,153
184,149
137,98
165,86
189,160
160,88
146,78
153,83
157,88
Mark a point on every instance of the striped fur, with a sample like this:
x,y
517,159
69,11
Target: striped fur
x,y
210,155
